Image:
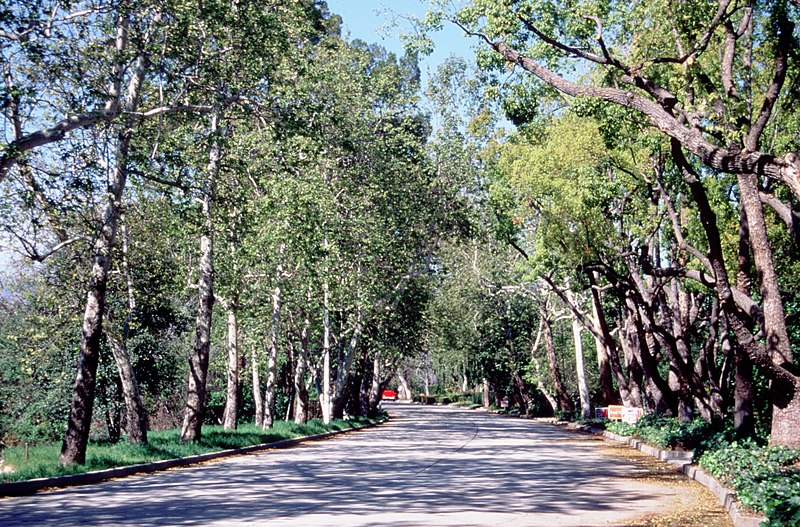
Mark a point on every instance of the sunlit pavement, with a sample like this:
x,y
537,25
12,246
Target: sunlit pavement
x,y
426,466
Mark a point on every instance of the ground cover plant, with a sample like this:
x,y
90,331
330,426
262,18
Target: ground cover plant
x,y
665,432
766,479
162,445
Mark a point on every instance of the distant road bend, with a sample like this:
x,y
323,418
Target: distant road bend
x,y
426,466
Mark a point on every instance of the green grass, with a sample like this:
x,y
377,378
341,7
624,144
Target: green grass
x,y
43,459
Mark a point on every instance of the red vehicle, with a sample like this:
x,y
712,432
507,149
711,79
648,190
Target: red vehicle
x,y
389,395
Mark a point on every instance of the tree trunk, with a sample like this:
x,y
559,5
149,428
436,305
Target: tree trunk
x,y
234,376
784,387
258,400
76,438
343,369
564,403
376,389
785,397
300,391
325,396
583,387
136,413
272,355
629,340
607,353
404,390
135,410
194,411
744,393
486,401
606,384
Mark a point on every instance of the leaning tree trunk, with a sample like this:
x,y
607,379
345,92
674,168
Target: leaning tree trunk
x,y
76,438
136,414
564,403
194,411
744,393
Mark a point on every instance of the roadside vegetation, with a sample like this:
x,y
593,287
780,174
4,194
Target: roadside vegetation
x,y
766,479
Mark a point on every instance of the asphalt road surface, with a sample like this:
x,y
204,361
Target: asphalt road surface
x,y
426,466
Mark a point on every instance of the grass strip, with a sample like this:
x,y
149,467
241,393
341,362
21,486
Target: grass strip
x,y
42,459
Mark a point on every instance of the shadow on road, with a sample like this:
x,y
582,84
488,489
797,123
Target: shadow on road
x,y
427,466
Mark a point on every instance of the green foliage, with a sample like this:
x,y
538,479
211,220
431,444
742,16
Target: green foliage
x,y
765,479
665,432
620,428
36,356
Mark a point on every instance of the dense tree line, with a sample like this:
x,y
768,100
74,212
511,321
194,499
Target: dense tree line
x,y
224,211
652,189
226,191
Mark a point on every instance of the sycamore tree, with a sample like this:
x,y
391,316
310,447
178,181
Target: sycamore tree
x,y
715,79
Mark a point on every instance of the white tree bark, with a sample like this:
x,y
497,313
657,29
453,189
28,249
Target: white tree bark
x,y
272,359
198,363
583,387
233,374
325,396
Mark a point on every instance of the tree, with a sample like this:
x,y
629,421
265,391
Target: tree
x,y
670,78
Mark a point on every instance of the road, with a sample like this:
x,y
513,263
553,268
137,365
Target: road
x,y
426,466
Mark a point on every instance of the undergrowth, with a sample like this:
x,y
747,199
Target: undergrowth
x,y
765,479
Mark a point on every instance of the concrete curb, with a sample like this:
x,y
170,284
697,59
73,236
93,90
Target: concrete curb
x,y
31,486
683,461
726,497
678,458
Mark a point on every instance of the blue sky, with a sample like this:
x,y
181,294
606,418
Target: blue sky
x,y
373,21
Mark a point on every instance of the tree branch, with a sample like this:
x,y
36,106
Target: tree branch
x,y
785,213
785,40
786,170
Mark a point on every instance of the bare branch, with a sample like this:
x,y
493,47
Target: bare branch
x,y
570,50
784,212
164,110
702,43
781,55
676,228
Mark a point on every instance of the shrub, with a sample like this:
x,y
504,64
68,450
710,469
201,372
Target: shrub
x,y
665,432
618,427
765,479
566,415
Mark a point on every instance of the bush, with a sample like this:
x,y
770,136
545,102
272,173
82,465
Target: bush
x,y
765,479
566,415
665,432
618,427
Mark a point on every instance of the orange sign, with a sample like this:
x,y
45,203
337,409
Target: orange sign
x,y
615,412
